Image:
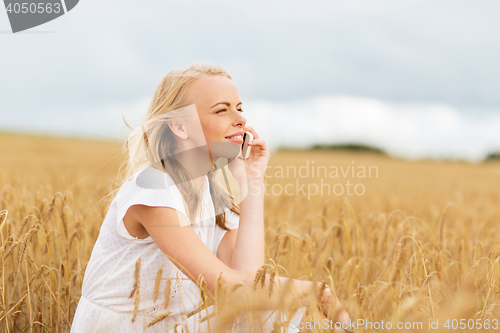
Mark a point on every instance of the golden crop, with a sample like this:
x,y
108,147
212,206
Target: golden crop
x,y
422,242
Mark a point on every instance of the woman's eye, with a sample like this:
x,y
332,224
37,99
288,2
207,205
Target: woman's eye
x,y
240,110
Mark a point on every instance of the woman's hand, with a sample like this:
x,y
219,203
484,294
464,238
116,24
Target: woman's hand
x,y
255,165
330,304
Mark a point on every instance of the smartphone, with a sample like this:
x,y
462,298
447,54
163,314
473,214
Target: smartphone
x,y
245,149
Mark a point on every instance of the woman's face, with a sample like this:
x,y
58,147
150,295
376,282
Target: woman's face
x,y
219,109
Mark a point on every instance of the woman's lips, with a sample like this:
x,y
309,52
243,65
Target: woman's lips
x,y
238,141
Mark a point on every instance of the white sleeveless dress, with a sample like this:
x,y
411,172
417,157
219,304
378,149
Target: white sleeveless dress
x,y
105,305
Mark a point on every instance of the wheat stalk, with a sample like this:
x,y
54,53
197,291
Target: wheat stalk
x,y
263,277
159,318
51,208
157,282
136,289
4,213
18,304
64,218
271,282
167,291
26,240
23,225
355,275
261,274
220,292
321,290
203,289
397,262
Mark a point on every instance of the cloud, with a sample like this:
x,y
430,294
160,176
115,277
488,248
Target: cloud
x,y
407,129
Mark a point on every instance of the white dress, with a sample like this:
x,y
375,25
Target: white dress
x,y
106,305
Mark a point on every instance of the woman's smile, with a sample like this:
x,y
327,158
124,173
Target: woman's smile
x,y
236,138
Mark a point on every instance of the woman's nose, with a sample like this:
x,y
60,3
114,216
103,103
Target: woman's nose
x,y
239,119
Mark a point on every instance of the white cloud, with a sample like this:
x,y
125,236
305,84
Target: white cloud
x,y
409,129
412,130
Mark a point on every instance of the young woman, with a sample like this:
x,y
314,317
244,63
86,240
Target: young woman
x,y
173,227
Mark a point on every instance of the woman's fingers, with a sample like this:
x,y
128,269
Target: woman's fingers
x,y
258,142
261,144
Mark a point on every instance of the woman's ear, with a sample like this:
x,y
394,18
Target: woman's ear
x,y
179,129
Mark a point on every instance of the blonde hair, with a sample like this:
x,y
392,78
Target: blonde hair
x,y
168,104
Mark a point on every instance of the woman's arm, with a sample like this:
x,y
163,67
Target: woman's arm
x,y
183,247
226,246
194,259
249,249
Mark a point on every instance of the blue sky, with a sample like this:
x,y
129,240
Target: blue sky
x,y
417,78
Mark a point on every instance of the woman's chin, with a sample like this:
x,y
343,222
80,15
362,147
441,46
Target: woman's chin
x,y
224,150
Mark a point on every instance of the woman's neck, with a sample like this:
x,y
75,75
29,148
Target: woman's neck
x,y
197,162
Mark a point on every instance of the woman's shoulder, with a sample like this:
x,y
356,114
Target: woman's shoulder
x,y
150,182
149,187
152,178
149,178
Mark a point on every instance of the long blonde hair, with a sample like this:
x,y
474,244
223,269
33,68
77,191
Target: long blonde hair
x,y
168,102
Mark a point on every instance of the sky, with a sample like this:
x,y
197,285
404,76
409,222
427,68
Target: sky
x,y
418,79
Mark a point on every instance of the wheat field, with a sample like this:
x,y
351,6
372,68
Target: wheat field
x,y
419,242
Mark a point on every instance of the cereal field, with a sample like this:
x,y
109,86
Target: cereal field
x,y
399,241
